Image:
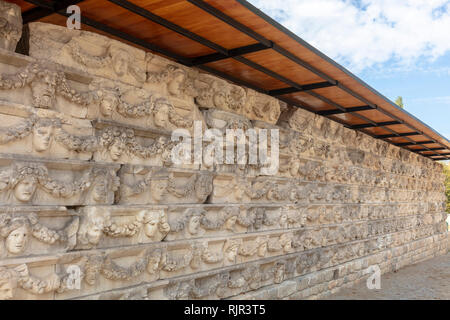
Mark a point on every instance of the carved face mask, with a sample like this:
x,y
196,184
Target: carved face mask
x,y
194,224
116,150
174,86
279,274
120,63
43,92
230,223
42,138
283,221
151,227
153,263
107,105
232,252
100,191
220,100
262,249
7,287
158,189
9,19
17,240
95,230
25,189
161,116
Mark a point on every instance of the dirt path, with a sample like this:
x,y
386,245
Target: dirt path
x,y
425,280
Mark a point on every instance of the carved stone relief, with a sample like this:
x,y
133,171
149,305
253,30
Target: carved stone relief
x,y
10,25
35,182
42,231
87,51
147,185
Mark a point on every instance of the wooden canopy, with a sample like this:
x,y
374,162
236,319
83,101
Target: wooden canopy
x,y
234,40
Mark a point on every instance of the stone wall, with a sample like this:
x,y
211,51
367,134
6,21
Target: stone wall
x,y
87,183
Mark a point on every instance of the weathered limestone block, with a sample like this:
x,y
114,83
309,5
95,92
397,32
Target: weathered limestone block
x,y
88,52
261,107
44,84
297,119
213,92
127,104
25,181
26,231
44,133
226,143
153,185
238,279
21,283
10,25
286,145
112,226
200,221
236,189
132,145
214,220
176,84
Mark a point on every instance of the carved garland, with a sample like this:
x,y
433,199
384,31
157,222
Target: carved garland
x,y
37,70
57,188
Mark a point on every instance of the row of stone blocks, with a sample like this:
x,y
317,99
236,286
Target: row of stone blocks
x,y
323,284
213,268
91,200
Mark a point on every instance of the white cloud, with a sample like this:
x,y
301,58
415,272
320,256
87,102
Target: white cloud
x,y
444,100
362,34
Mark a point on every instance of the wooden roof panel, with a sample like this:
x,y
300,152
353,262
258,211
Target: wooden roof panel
x,y
309,100
339,96
197,21
349,118
278,63
239,70
117,17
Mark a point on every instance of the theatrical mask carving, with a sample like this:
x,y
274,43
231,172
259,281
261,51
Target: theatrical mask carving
x,y
34,182
231,250
10,25
165,115
178,81
108,266
44,134
47,81
173,187
136,106
22,180
256,247
156,182
88,52
19,277
93,222
214,92
226,219
120,144
261,107
190,221
301,121
18,231
261,189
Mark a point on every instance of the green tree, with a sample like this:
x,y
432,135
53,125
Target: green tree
x,y
399,102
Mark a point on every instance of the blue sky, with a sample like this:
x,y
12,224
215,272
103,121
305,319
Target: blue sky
x,y
399,47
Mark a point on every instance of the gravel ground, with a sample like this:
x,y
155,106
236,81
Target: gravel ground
x,y
428,280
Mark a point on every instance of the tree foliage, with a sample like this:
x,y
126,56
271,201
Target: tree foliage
x,y
399,102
